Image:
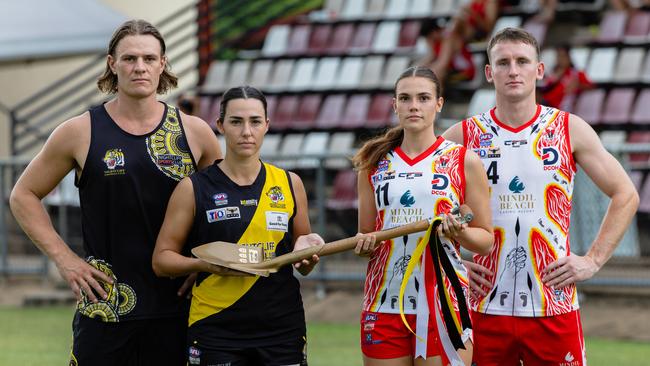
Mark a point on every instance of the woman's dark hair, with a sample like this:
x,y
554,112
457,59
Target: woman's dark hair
x,y
375,149
107,83
240,92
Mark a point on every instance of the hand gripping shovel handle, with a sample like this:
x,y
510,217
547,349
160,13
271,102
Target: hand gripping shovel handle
x,y
349,243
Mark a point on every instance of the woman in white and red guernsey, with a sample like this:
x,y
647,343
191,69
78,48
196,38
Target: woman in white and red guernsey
x,y
405,175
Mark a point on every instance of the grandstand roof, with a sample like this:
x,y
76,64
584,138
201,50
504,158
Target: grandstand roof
x,y
33,29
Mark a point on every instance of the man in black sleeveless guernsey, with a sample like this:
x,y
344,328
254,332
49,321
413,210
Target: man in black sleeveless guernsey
x,y
128,155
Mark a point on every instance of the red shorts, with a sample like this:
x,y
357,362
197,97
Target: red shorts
x,y
505,340
385,336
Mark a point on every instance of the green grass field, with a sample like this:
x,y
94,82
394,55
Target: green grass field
x,y
42,336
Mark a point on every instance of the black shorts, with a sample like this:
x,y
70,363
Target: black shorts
x,y
160,342
293,353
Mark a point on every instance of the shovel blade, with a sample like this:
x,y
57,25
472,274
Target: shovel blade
x,y
231,256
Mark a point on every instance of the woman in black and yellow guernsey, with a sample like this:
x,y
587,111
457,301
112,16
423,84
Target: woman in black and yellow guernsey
x,y
240,320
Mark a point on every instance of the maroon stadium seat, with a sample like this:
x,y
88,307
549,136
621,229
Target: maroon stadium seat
x,y
298,40
636,176
589,105
307,112
380,111
356,111
612,27
271,104
618,106
638,27
537,29
331,111
341,38
319,38
639,137
641,113
363,37
344,193
644,204
408,35
285,112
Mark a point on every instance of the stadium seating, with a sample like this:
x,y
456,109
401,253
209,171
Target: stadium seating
x,y
307,113
319,38
354,115
612,27
589,105
638,28
298,42
601,64
629,65
641,112
331,111
340,142
341,38
275,43
618,106
380,111
344,195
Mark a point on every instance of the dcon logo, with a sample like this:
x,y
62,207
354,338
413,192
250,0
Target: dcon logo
x,y
550,157
439,183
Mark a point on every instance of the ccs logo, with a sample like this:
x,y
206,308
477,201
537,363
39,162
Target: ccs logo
x,y
439,183
550,157
516,143
410,175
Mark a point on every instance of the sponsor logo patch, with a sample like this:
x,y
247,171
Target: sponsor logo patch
x,y
407,199
248,202
410,175
276,196
194,356
382,165
277,221
169,160
220,199
439,183
550,158
224,213
515,143
115,162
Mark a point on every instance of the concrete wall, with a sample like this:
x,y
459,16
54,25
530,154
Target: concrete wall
x,y
21,80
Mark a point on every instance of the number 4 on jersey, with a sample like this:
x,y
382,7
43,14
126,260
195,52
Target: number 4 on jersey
x,y
492,173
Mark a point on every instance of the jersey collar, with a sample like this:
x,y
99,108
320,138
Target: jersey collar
x,y
422,155
493,114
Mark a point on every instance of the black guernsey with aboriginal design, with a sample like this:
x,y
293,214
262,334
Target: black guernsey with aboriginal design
x,y
233,312
124,188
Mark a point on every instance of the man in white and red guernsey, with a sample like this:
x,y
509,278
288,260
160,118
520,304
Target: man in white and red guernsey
x,y
524,295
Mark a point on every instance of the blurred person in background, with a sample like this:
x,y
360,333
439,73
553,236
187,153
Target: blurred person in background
x,y
461,67
524,297
564,83
473,21
186,104
128,155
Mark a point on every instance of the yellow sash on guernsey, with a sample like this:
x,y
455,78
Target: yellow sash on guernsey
x,y
217,292
450,325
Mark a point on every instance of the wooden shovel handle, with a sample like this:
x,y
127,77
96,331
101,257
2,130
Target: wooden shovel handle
x,y
349,243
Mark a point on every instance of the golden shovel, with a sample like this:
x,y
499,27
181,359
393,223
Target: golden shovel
x,y
249,259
